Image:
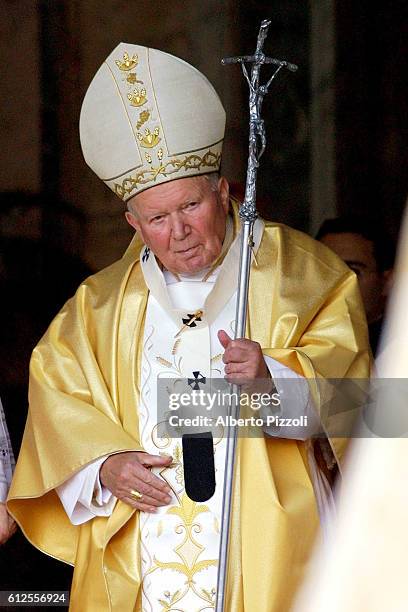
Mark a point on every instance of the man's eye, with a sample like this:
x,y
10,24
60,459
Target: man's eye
x,y
157,219
191,205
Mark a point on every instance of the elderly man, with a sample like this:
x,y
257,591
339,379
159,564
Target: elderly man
x,y
98,484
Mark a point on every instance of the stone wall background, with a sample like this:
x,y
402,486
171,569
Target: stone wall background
x,y
20,125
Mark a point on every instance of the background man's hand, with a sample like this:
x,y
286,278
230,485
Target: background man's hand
x,y
244,361
7,524
126,471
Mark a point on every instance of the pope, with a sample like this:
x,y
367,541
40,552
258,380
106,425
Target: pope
x,y
98,484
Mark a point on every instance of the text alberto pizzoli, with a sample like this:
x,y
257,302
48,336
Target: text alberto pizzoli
x,y
208,401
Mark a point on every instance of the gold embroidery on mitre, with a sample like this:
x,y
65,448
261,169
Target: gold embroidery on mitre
x,y
210,160
127,63
137,97
149,139
143,117
132,78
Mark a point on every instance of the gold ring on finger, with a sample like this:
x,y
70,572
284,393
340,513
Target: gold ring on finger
x,y
135,494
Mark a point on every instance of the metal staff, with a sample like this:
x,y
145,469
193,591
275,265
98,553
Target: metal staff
x,y
248,215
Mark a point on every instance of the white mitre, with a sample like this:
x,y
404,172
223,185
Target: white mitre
x,y
147,118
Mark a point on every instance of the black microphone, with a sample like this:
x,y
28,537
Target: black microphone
x,y
199,469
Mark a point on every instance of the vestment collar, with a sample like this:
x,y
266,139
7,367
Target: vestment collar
x,y
226,281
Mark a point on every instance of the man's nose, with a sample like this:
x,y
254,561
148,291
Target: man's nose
x,y
179,228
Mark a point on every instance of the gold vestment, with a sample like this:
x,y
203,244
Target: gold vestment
x,y
305,311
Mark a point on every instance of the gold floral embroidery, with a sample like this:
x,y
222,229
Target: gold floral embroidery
x,y
190,162
169,601
178,464
174,366
164,362
143,117
137,97
209,596
127,63
132,79
188,551
175,346
149,139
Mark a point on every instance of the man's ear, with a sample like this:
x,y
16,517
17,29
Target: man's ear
x,y
223,190
132,220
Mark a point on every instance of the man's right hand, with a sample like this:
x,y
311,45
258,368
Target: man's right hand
x,y
125,472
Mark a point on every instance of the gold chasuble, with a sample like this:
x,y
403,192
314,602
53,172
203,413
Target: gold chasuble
x,y
304,310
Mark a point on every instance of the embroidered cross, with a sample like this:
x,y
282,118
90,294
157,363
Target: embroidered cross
x,y
146,254
191,319
198,380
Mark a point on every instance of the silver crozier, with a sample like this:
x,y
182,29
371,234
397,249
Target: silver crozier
x,y
248,215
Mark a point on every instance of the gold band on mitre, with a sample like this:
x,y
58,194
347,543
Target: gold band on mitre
x,y
147,118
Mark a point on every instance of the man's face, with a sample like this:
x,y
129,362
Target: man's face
x,y
358,253
182,222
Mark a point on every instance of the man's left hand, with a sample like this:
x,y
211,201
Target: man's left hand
x,y
243,358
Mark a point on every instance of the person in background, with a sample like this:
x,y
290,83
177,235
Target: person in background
x,y
7,523
364,245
